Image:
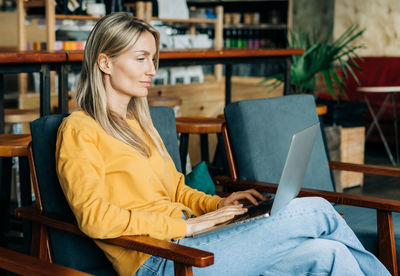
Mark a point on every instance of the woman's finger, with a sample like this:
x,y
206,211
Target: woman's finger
x,y
257,194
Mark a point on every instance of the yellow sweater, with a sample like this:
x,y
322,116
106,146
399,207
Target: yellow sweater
x,y
114,191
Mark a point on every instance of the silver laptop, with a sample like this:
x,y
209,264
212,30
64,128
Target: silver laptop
x,y
289,185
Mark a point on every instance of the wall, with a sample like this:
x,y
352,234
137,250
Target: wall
x,y
313,15
381,20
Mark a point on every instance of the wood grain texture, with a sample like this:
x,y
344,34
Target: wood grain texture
x,y
181,269
386,246
27,265
340,198
33,57
14,144
14,115
365,168
172,251
209,53
227,53
229,153
194,124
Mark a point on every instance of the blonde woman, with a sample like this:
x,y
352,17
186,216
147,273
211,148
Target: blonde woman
x,y
119,180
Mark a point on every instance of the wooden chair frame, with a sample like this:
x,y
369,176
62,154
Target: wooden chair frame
x,y
27,265
384,207
184,257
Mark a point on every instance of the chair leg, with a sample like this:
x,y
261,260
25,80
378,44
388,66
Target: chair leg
x,y
204,148
5,190
183,149
182,269
26,199
386,243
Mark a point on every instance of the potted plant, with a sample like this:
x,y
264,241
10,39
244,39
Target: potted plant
x,y
330,63
322,59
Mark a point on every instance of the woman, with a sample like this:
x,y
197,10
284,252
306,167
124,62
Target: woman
x,y
119,180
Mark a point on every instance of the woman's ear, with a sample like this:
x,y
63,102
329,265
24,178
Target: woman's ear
x,y
104,63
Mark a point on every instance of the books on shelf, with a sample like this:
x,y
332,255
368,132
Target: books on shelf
x,y
69,45
58,45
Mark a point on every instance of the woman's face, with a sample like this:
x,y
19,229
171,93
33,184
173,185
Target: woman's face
x,y
131,72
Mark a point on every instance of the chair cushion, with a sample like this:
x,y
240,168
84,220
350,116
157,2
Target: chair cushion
x,y
199,178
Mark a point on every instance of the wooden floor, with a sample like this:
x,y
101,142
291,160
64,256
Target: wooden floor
x,y
379,186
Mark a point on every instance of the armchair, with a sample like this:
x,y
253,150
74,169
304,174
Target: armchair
x,y
56,237
257,136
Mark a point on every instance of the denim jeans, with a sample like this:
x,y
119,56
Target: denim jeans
x,y
307,237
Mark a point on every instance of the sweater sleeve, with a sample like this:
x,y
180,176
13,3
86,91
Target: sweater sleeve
x,y
199,202
81,173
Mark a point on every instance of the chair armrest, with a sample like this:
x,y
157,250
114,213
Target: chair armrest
x,y
198,124
334,197
164,249
27,265
364,168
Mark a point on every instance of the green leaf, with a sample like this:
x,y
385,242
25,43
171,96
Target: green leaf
x,y
321,59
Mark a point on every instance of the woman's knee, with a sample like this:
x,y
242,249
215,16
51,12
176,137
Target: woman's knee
x,y
325,252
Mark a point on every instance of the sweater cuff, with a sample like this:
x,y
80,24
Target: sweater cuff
x,y
212,203
179,229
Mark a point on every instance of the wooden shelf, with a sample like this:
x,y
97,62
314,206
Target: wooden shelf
x,y
34,3
77,17
186,21
262,26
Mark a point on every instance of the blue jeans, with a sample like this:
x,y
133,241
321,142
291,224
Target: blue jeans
x,y
308,237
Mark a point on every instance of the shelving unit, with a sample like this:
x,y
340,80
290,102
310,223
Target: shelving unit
x,y
275,16
144,10
241,28
76,17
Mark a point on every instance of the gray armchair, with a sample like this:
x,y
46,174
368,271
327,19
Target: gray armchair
x,y
257,136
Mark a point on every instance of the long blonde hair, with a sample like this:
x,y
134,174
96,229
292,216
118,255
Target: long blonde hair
x,y
112,35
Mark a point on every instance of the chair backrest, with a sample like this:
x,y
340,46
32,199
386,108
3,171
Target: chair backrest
x,y
260,132
70,250
164,121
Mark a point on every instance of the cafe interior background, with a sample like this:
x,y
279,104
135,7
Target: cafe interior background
x,y
198,90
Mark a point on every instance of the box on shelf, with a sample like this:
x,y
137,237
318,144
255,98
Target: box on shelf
x,y
179,75
161,78
195,74
186,75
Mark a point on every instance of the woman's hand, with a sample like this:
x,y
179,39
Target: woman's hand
x,y
233,198
210,219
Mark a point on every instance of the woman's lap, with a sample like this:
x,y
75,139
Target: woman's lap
x,y
251,248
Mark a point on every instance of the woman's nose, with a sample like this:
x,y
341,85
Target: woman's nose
x,y
152,69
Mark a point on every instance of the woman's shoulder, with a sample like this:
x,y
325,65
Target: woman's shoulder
x,y
79,121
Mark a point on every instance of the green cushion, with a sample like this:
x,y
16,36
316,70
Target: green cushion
x,y
199,178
